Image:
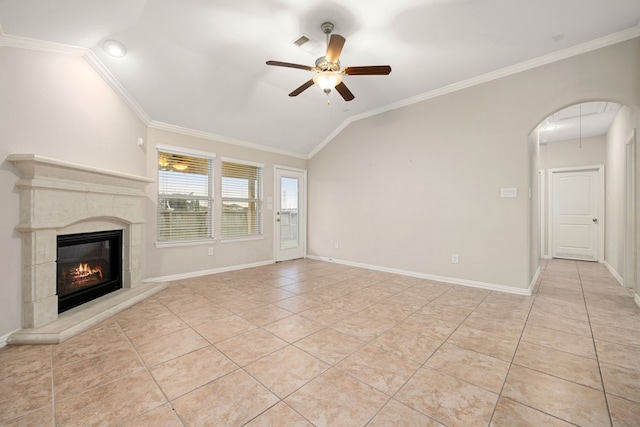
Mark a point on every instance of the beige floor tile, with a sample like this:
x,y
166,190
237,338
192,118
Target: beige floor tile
x,y
109,404
380,369
286,370
73,378
562,308
16,360
104,337
615,334
436,327
24,392
448,400
298,303
264,315
148,328
571,367
250,346
42,417
408,343
232,400
604,317
395,413
571,343
337,399
362,327
559,323
566,400
470,366
624,413
510,328
293,328
625,356
224,328
329,345
386,312
325,314
162,416
170,346
510,413
493,345
278,416
621,382
199,315
186,373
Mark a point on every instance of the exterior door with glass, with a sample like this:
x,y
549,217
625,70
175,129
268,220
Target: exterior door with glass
x,y
290,215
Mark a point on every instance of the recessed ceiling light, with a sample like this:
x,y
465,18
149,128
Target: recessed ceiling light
x,y
114,48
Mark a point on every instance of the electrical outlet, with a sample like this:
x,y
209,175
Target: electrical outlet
x,y
210,251
454,258
336,245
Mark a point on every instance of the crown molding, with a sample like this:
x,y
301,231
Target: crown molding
x,y
550,58
110,79
224,139
40,45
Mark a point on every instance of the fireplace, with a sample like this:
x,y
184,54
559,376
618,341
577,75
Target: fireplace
x,y
89,265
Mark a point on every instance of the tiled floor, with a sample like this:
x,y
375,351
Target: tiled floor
x,y
307,343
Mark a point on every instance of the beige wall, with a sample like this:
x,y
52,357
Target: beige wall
x,y
168,261
573,153
55,106
408,188
615,203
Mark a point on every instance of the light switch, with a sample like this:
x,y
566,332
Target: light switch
x,y
506,192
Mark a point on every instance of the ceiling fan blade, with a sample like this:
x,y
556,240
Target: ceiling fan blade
x,y
290,65
372,70
335,47
302,88
344,91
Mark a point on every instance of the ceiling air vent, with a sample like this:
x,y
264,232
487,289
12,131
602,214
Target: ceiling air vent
x,y
307,44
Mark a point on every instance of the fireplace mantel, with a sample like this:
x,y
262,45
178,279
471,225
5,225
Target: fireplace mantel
x,y
58,198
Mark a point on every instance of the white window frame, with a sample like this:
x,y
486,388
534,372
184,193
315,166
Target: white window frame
x,y
259,200
210,157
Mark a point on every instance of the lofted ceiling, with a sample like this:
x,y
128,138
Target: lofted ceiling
x,y
199,65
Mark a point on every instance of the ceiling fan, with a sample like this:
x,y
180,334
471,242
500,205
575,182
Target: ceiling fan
x,y
328,71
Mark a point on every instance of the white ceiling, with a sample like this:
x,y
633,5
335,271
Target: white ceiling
x,y
200,64
578,121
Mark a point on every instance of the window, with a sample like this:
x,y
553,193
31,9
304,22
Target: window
x,y
241,199
185,195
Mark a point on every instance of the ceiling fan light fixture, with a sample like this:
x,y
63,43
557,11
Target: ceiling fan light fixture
x,y
114,48
327,80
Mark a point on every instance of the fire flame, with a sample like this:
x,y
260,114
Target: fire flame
x,y
85,270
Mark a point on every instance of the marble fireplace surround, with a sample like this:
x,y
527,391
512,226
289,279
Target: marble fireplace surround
x,y
57,198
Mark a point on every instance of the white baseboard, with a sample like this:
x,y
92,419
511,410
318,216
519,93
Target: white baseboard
x,y
614,273
5,338
207,272
532,285
444,279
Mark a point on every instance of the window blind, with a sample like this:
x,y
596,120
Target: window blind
x,y
185,196
241,199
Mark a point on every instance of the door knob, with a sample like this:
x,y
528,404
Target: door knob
x,y
595,220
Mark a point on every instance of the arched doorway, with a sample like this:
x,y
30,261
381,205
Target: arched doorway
x,y
585,151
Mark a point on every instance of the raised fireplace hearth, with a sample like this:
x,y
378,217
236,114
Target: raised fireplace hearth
x,y
61,202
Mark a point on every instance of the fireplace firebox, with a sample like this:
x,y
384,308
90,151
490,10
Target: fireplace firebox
x,y
89,265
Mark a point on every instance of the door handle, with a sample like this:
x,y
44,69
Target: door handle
x,y
595,220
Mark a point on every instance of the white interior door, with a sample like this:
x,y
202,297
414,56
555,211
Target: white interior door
x,y
576,206
290,215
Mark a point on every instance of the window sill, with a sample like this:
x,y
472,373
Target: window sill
x,y
241,239
176,244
